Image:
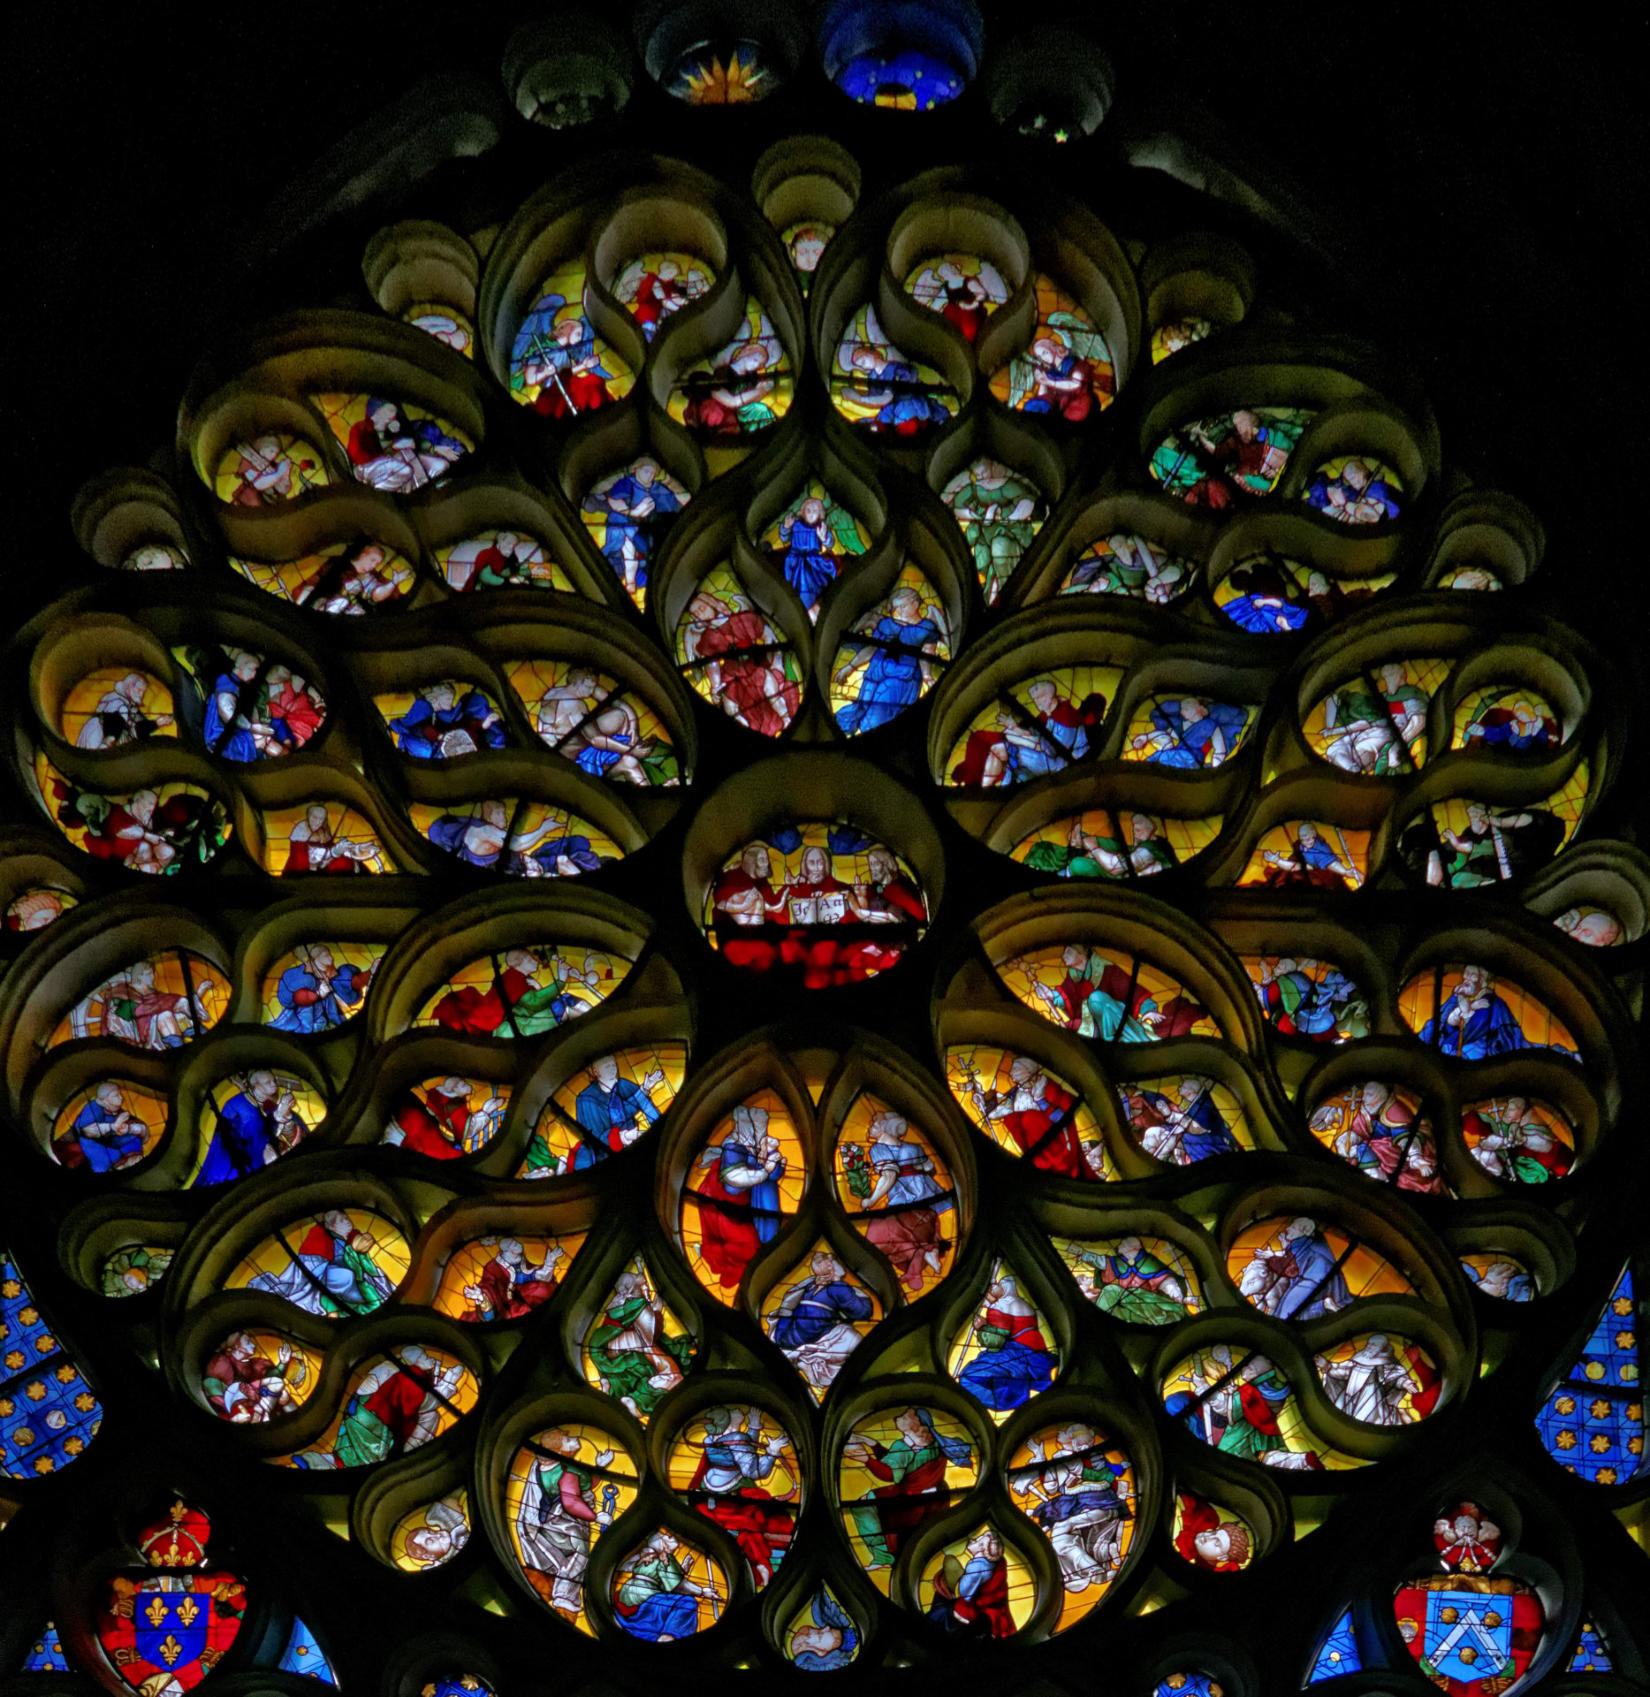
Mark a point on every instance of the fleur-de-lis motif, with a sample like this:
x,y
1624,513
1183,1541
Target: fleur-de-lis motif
x,y
170,1649
187,1610
156,1611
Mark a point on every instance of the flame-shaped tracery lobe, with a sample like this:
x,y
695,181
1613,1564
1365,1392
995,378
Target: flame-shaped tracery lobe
x,y
395,1403
565,1486
1112,996
1078,1488
818,1314
335,1264
1006,1353
740,1187
738,1466
635,1348
900,1467
523,992
1028,1109
896,1190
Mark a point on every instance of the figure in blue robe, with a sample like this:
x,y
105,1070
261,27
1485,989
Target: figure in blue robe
x,y
1315,1286
633,504
247,1135
908,409
440,711
1202,733
317,995
808,565
107,1134
893,677
1203,1131
1474,1023
1015,1361
225,727
820,1312
541,862
608,1107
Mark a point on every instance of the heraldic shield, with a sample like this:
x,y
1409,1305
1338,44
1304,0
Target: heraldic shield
x,y
1473,1636
177,1626
166,1630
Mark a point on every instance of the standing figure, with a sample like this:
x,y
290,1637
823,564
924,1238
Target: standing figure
x,y
898,1175
999,512
809,563
742,1193
558,1519
632,505
1371,1383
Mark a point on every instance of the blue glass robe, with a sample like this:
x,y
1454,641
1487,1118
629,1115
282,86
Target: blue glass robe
x,y
601,1113
1489,1030
103,1154
242,1141
1318,1288
226,739
892,680
808,564
821,1309
334,1002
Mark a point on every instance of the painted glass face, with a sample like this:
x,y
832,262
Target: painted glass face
x,y
559,366
1067,375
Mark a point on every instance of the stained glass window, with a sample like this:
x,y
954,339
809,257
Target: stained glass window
x,y
773,916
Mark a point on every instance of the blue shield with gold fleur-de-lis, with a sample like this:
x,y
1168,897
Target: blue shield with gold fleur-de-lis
x,y
1468,1634
170,1624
